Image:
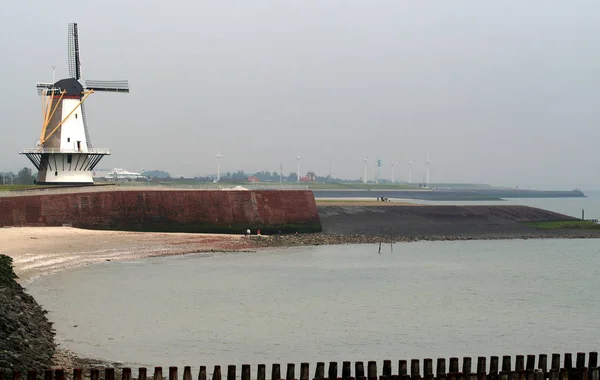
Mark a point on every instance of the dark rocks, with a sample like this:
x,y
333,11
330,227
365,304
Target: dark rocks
x,y
26,336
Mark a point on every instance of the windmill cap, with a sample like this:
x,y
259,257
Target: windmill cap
x,y
70,85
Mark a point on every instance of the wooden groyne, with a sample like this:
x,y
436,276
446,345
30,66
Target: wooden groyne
x,y
497,368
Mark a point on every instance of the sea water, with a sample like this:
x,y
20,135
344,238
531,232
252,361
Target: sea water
x,y
332,303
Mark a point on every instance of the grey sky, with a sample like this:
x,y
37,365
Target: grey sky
x,y
504,92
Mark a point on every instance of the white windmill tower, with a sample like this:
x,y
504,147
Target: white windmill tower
x,y
394,163
410,171
366,161
218,156
64,153
427,163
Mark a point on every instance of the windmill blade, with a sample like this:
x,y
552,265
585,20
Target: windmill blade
x,y
85,128
107,85
43,86
74,64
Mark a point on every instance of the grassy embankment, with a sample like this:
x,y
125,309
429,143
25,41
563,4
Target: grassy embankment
x,y
564,225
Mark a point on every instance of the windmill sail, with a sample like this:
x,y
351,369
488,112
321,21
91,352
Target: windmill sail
x,y
107,85
88,141
74,64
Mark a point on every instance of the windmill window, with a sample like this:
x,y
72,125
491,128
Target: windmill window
x,y
75,116
68,139
55,173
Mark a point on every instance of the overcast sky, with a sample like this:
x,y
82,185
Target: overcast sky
x,y
501,92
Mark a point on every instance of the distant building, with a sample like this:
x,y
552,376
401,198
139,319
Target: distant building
x,y
253,179
117,174
311,176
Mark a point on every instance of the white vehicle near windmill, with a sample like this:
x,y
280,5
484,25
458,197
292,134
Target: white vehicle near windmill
x,y
64,154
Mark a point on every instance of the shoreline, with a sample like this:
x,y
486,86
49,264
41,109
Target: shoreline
x,y
42,251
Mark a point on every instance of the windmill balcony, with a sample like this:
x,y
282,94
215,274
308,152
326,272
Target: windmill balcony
x,y
57,150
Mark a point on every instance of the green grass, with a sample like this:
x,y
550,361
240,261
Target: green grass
x,y
564,224
16,187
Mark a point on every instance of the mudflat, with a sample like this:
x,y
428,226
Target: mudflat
x,y
43,250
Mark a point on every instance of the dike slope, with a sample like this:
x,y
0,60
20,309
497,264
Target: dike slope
x,y
480,221
26,335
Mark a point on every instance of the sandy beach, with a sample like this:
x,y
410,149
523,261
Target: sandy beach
x,y
38,251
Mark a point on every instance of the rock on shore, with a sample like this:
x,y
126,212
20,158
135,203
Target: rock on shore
x,y
26,335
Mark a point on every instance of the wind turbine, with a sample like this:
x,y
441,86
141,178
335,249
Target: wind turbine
x,y
427,163
365,160
298,158
218,156
393,165
410,171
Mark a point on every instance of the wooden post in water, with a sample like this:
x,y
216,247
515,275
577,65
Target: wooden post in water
x,y
143,373
187,373
372,370
125,374
543,363
494,361
520,363
441,368
415,369
320,370
290,374
109,374
173,373
466,365
403,369
580,360
530,366
359,370
275,372
304,371
506,367
16,374
217,373
481,364
261,372
201,373
346,370
49,375
593,360
59,374
246,372
230,372
387,368
428,368
94,374
453,365
555,362
32,374
568,361
332,374
158,373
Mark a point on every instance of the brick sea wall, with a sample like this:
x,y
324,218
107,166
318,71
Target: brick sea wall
x,y
167,210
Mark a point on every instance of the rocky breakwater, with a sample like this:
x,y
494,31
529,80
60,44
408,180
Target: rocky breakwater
x,y
26,335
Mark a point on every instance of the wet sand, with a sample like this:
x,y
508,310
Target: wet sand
x,y
38,251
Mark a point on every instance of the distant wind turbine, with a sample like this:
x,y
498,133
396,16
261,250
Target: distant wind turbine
x,y
365,160
393,165
427,163
410,171
298,158
218,156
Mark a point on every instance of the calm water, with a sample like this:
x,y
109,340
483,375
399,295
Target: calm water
x,y
424,299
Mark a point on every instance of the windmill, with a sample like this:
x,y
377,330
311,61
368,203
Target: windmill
x,y
410,171
218,156
393,166
64,153
366,161
427,163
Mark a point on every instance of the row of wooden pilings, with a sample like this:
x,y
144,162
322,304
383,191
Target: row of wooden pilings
x,y
525,369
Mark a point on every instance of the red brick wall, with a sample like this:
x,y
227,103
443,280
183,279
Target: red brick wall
x,y
166,210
